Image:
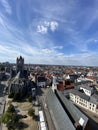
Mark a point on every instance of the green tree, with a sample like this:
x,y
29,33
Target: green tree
x,y
11,109
30,98
11,95
10,120
14,119
31,112
6,117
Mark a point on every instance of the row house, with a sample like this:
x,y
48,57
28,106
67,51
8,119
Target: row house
x,y
64,114
84,101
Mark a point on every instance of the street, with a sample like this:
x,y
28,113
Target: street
x,y
42,95
2,99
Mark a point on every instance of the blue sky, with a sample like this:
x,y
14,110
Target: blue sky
x,y
61,32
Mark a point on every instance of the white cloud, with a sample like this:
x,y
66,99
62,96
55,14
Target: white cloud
x,y
2,21
16,40
36,55
95,40
6,6
58,47
53,25
46,25
8,50
91,17
42,29
47,51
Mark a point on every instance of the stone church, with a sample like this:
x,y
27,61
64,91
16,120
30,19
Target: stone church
x,y
19,83
20,64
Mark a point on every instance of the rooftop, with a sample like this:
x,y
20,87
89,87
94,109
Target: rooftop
x,y
75,113
80,94
58,115
86,87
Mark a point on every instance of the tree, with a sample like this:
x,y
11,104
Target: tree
x,y
15,119
11,95
31,112
6,117
11,109
30,98
10,118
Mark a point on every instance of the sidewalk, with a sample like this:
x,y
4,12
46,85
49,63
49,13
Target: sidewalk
x,y
23,110
4,127
4,110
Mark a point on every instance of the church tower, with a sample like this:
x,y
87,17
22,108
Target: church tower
x,y
20,64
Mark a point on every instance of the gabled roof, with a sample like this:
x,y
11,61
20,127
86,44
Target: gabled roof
x,y
58,115
41,79
19,75
86,87
18,78
75,113
80,94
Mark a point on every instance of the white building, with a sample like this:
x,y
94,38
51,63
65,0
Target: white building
x,y
87,90
84,101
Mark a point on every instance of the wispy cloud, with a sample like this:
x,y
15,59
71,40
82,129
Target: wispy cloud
x,y
49,34
42,29
53,25
7,6
58,47
45,26
47,56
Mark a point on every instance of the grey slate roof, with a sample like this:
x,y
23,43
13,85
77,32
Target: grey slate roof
x,y
73,110
18,79
58,115
18,75
80,94
87,87
41,79
94,98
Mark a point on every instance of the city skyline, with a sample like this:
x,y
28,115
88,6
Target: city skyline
x,y
60,32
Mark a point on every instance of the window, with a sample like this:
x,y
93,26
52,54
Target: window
x,y
92,109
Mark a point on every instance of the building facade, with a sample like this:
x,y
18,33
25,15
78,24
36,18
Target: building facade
x,y
17,85
87,90
41,81
83,100
20,64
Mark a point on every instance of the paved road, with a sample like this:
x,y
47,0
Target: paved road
x,y
2,99
48,118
